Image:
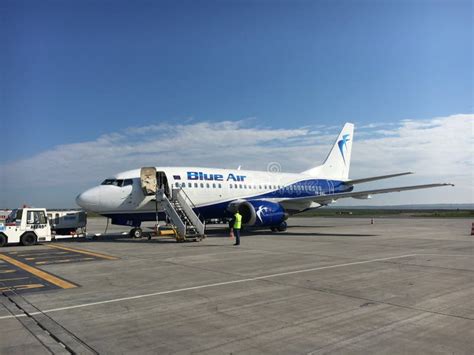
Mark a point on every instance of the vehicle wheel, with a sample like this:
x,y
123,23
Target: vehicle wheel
x,y
3,240
282,227
28,239
273,229
136,233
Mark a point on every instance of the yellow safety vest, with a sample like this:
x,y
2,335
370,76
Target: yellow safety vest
x,y
238,220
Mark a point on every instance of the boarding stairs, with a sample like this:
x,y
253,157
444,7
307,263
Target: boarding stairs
x,y
179,210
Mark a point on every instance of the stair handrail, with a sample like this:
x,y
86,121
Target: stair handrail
x,y
171,212
189,198
189,210
193,206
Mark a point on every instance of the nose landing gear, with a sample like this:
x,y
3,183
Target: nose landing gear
x,y
136,233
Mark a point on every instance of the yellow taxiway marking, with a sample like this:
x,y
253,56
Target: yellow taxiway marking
x,y
14,279
21,287
54,261
37,272
62,261
30,258
41,254
87,252
7,271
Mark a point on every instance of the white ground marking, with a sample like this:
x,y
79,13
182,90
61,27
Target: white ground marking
x,y
207,286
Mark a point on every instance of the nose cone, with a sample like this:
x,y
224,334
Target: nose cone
x,y
90,199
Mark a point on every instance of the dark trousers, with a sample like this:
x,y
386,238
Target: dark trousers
x,y
237,236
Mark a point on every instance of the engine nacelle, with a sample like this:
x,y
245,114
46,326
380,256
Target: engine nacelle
x,y
259,212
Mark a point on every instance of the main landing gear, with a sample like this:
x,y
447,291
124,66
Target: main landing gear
x,y
136,233
280,228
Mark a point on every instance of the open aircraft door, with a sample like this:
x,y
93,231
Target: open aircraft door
x,y
151,180
148,181
162,182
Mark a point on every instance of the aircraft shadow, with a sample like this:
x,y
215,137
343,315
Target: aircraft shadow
x,y
225,234
211,234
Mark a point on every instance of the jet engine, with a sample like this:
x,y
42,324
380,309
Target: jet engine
x,y
259,212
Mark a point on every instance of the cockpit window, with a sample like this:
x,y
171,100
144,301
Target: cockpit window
x,y
117,182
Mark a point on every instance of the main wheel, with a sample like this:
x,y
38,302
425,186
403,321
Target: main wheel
x,y
136,233
282,227
3,240
28,239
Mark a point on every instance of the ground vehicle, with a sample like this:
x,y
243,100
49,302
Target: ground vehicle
x,y
26,226
65,222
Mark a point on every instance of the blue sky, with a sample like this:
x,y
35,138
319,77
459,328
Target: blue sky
x,y
73,71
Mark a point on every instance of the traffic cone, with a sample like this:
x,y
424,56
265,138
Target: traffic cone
x,y
472,229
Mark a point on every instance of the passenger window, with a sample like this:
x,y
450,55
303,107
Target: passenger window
x,y
213,186
202,185
230,186
220,186
183,184
207,185
240,186
195,184
176,184
190,185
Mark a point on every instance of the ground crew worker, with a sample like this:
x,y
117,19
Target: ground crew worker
x,y
236,224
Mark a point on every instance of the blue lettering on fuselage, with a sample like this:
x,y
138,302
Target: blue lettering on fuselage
x,y
199,175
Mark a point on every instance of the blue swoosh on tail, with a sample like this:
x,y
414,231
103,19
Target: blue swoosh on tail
x,y
342,143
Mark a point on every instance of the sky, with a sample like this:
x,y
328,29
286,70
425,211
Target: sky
x,y
91,88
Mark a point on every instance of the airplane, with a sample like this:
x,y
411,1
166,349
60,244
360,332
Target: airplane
x,y
265,199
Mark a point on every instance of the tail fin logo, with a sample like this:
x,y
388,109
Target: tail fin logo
x,y
343,144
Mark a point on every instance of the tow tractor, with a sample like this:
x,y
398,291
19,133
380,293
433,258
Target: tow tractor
x,y
26,226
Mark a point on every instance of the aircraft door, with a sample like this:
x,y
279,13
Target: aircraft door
x,y
162,182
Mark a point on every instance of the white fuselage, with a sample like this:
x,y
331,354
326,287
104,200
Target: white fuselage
x,y
208,189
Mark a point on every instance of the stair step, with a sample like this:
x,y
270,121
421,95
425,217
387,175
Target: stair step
x,y
179,210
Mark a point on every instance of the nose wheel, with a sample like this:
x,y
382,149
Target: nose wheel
x,y
136,233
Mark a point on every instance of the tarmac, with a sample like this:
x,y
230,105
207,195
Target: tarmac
x,y
327,285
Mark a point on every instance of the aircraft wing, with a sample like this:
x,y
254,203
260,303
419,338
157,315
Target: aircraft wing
x,y
374,178
330,198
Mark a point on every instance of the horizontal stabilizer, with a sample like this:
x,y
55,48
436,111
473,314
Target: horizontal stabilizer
x,y
375,178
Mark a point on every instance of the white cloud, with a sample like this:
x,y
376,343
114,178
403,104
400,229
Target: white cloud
x,y
438,150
